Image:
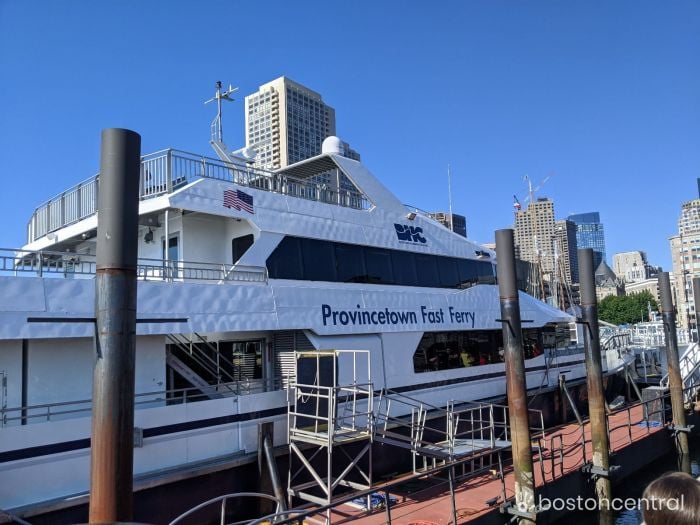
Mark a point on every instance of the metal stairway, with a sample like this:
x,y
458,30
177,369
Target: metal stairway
x,y
690,371
192,377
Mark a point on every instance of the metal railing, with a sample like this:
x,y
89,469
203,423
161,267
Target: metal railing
x,y
176,396
223,500
67,264
165,171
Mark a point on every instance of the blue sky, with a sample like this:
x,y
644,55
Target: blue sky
x,y
604,97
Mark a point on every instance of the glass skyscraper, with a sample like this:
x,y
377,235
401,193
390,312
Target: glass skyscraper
x,y
590,234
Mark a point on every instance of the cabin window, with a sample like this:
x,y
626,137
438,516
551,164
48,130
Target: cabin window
x,y
426,266
449,276
404,266
350,262
319,260
239,246
378,262
285,262
448,350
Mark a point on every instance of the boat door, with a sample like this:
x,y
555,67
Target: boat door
x,y
3,397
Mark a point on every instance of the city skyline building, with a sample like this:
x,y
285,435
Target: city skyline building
x,y
455,222
286,122
535,234
590,233
685,257
567,250
633,266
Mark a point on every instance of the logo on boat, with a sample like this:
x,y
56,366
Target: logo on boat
x,y
238,200
408,233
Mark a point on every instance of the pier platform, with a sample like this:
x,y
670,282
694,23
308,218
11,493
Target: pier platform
x,y
558,459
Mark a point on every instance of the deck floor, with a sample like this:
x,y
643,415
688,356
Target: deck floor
x,y
430,503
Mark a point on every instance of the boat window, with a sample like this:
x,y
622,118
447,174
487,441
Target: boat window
x,y
468,273
379,268
447,268
350,262
426,268
449,350
239,246
319,260
285,261
404,266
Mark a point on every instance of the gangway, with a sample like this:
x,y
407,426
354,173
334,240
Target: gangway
x,y
436,435
690,371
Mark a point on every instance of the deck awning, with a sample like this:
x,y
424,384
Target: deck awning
x,y
310,167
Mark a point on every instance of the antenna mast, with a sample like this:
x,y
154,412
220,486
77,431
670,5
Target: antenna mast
x,y
449,196
217,130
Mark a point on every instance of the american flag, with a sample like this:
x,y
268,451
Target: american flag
x,y
238,200
516,203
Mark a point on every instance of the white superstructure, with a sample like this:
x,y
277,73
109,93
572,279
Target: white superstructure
x,y
257,265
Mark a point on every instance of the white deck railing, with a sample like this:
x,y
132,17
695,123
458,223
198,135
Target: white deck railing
x,y
165,171
75,265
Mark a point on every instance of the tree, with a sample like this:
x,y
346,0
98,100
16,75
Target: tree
x,y
626,309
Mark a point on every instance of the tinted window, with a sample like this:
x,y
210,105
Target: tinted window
x,y
426,268
285,261
350,263
447,269
486,273
319,260
316,260
239,246
378,264
404,266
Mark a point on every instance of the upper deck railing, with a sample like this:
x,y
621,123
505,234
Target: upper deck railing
x,y
167,170
49,264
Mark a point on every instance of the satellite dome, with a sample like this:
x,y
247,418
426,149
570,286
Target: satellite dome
x,y
332,144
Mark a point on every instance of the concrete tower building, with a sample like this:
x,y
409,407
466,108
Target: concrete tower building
x,y
567,250
535,234
685,256
286,122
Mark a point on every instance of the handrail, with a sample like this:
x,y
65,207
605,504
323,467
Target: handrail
x,y
171,396
165,171
70,264
224,499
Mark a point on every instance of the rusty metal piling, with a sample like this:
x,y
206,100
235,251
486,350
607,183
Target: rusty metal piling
x,y
675,381
111,468
525,508
600,469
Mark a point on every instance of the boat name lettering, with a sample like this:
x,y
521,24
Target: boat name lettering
x,y
387,316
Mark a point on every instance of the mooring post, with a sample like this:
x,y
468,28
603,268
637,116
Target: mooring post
x,y
594,384
675,381
112,453
515,379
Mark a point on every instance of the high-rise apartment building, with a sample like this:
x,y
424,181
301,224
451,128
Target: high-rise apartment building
x,y
567,254
286,122
535,234
456,223
590,234
685,256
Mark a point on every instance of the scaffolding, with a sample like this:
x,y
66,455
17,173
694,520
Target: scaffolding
x,y
331,404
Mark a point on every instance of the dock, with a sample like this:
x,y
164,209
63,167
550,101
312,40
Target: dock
x,y
639,434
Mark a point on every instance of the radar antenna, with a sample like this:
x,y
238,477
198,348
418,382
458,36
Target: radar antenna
x,y
217,130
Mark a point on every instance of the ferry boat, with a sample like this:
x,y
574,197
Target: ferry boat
x,y
248,266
